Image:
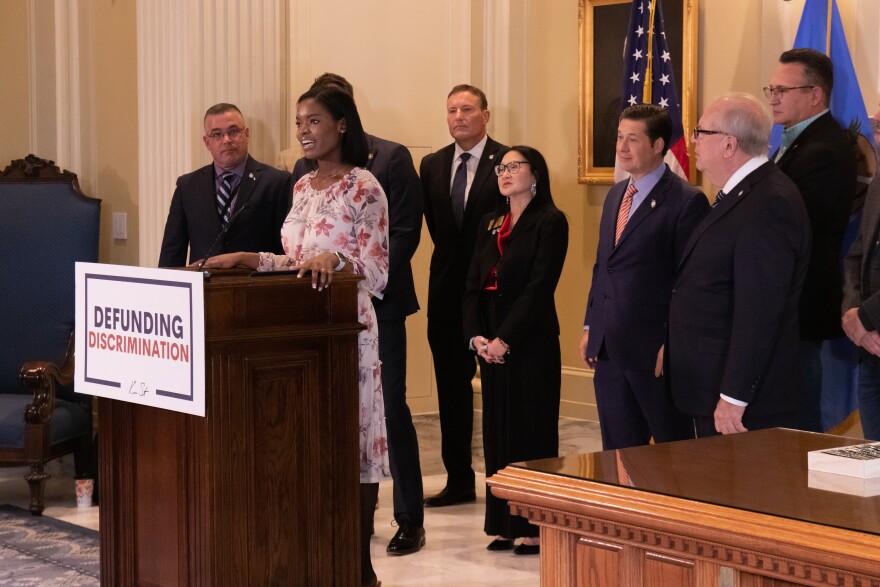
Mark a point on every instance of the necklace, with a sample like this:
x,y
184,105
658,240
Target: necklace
x,y
328,179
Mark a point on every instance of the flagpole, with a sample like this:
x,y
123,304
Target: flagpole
x,y
828,29
649,69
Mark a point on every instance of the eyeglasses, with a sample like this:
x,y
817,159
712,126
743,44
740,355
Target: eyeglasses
x,y
231,132
702,132
780,91
512,167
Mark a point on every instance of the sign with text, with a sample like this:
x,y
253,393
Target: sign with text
x,y
140,336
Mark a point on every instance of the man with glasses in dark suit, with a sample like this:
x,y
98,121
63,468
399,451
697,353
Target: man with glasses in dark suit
x,y
816,153
733,321
233,204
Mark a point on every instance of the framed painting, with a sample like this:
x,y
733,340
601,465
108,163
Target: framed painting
x,y
603,28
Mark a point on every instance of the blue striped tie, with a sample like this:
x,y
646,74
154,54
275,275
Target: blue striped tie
x,y
225,193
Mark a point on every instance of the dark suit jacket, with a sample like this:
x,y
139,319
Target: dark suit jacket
x,y
861,281
193,220
392,165
822,164
453,247
527,275
733,320
628,305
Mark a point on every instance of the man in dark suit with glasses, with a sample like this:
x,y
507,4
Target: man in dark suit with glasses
x,y
235,203
816,153
733,320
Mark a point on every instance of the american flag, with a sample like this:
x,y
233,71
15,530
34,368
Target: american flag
x,y
647,59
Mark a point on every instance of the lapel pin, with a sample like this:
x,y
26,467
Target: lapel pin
x,y
492,156
251,175
653,203
740,194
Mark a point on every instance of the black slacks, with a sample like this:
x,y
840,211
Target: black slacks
x,y
403,443
454,368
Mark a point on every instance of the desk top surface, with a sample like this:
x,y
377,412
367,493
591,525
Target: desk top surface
x,y
763,471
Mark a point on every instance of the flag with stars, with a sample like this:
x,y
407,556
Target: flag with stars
x,y
648,78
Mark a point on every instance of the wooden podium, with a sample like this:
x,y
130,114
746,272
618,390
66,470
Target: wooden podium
x,y
264,489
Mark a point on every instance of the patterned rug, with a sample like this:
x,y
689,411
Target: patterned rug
x,y
43,551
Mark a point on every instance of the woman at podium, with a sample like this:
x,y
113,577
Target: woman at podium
x,y
338,222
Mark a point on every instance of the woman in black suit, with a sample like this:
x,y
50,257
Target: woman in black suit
x,y
510,321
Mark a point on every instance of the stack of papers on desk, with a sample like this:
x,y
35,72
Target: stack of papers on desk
x,y
854,470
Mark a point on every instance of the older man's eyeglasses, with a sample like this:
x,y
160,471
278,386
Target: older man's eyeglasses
x,y
512,167
232,132
702,132
780,91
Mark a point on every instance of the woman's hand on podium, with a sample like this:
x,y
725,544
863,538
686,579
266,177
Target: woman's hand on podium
x,y
322,267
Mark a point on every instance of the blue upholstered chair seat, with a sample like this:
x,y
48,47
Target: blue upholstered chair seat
x,y
68,420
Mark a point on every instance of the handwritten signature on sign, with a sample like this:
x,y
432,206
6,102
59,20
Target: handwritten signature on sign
x,y
138,388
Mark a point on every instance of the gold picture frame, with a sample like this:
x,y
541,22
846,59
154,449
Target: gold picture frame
x,y
599,103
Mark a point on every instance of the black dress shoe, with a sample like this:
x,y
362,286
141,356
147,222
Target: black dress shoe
x,y
450,497
409,539
500,544
527,549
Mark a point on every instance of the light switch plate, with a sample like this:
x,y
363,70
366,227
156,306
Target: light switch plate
x,y
120,225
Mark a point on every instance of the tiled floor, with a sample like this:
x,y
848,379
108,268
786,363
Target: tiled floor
x,y
455,553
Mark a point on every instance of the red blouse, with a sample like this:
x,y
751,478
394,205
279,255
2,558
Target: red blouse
x,y
491,283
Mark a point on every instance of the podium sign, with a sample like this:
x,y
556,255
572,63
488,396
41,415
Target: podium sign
x,y
140,336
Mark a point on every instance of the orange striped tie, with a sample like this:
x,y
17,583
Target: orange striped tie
x,y
623,213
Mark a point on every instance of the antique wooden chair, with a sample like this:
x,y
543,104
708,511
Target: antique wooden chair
x,y
46,225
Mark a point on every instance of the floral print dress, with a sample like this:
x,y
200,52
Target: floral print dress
x,y
350,216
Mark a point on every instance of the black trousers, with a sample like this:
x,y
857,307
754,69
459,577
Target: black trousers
x,y
454,368
403,444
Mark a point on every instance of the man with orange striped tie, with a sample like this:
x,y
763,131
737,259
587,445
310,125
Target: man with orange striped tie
x,y
646,221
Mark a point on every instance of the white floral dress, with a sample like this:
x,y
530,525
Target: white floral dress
x,y
350,216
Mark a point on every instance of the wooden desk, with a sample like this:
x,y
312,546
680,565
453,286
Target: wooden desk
x,y
729,510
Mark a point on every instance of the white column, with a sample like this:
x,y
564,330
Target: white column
x,y
165,114
505,66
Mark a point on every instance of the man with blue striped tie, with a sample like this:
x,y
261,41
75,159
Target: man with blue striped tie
x,y
234,203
